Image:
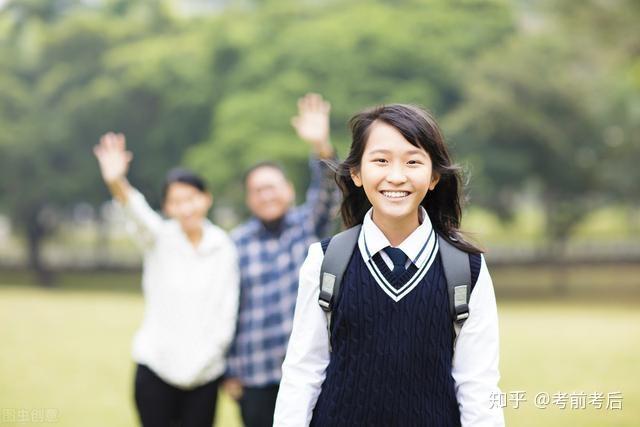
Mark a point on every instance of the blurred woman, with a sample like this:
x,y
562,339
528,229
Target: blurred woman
x,y
190,283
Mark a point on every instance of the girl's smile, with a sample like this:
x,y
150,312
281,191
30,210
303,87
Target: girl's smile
x,y
395,194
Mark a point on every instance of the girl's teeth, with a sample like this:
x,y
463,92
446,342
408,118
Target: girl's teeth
x,y
394,194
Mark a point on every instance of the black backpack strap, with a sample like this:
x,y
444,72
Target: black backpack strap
x,y
457,271
335,261
336,258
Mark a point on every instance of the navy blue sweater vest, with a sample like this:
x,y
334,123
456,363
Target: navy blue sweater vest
x,y
390,363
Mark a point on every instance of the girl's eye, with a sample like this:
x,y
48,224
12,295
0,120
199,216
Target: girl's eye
x,y
381,161
414,162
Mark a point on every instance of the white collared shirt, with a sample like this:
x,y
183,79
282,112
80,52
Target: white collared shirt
x,y
421,251
416,247
190,297
475,361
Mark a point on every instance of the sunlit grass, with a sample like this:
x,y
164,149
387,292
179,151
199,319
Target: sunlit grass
x,y
69,349
553,347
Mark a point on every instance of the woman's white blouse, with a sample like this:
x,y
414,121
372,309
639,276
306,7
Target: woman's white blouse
x,y
190,297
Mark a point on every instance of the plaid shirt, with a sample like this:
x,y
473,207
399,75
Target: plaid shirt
x,y
269,266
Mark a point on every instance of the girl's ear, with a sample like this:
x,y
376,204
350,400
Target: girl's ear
x,y
435,178
355,177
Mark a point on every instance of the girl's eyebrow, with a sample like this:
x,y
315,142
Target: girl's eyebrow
x,y
383,151
379,151
416,151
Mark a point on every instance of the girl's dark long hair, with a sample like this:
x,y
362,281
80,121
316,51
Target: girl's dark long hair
x,y
443,204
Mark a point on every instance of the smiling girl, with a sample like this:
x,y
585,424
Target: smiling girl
x,y
390,357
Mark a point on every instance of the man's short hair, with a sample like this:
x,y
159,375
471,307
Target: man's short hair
x,y
263,164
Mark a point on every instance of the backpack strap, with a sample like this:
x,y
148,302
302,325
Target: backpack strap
x,y
335,261
457,271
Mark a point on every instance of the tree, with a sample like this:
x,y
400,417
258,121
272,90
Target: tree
x,y
356,54
608,37
527,127
68,80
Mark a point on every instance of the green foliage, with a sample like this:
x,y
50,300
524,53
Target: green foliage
x,y
92,73
539,97
608,34
356,54
554,113
69,78
531,116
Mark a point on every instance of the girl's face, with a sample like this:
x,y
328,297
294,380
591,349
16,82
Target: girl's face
x,y
394,174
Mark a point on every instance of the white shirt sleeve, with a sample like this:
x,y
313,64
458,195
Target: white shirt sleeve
x,y
230,297
143,223
475,360
304,367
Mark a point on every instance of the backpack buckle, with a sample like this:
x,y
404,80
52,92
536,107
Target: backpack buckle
x,y
326,291
462,316
326,306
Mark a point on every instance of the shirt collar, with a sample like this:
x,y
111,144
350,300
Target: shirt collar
x,y
212,238
416,246
285,223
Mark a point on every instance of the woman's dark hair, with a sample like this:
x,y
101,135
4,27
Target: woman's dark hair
x,y
183,176
443,204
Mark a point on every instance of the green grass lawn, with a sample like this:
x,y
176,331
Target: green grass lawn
x,y
69,350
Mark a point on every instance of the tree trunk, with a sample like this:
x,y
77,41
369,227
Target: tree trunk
x,y
35,236
558,230
560,275
102,253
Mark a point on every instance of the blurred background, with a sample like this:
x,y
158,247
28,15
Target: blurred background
x,y
539,99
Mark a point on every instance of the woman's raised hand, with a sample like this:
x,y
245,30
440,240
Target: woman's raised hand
x,y
113,157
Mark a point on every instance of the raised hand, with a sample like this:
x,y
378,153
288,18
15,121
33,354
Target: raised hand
x,y
113,157
312,123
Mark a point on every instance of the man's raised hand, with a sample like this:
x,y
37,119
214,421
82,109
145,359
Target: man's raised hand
x,y
312,123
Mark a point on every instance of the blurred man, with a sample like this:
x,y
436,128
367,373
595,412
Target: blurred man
x,y
271,248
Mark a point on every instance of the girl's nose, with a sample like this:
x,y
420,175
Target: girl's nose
x,y
396,175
